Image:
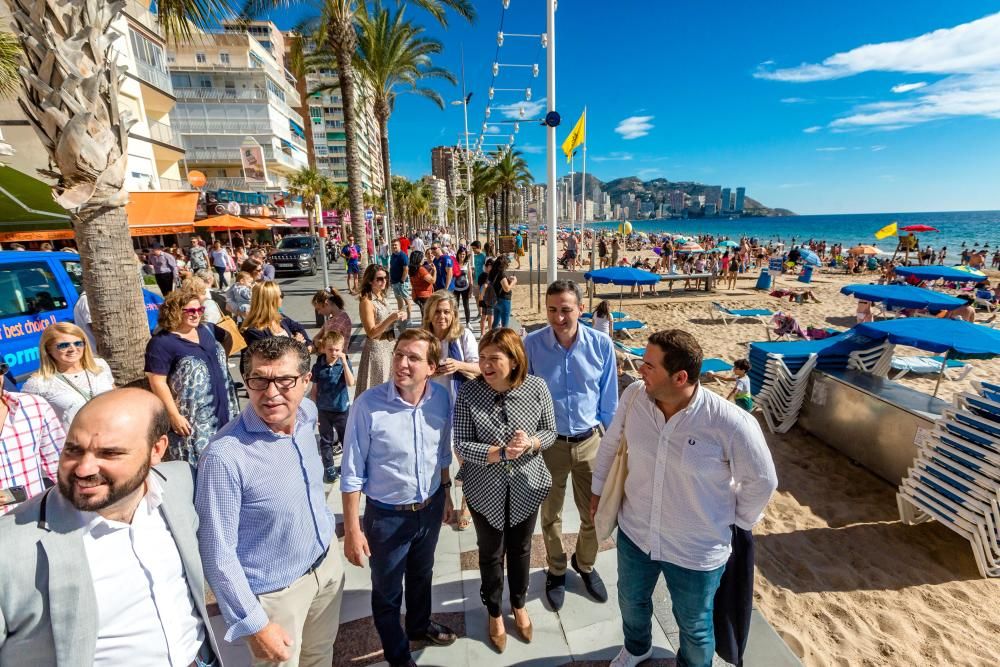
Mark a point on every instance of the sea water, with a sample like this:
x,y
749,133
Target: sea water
x,y
956,228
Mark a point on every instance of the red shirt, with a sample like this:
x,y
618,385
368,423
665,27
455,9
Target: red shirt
x,y
404,244
422,284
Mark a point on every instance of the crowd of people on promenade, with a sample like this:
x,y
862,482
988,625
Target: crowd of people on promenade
x,y
111,565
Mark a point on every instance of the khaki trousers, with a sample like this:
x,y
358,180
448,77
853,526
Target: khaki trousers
x,y
576,460
309,611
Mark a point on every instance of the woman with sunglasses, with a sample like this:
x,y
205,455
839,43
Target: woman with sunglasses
x,y
503,421
265,318
68,373
186,365
379,321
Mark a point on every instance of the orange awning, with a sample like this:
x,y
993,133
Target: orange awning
x,y
226,221
159,212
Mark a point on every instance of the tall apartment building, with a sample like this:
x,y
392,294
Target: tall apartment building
x,y
677,200
231,89
713,197
442,163
741,194
439,199
327,139
726,192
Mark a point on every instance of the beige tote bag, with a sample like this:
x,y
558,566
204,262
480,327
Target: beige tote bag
x,y
606,517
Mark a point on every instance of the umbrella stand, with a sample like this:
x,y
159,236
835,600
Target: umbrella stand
x,y
621,297
944,363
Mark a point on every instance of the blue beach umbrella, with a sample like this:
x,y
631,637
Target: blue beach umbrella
x,y
729,244
934,272
809,257
903,296
621,275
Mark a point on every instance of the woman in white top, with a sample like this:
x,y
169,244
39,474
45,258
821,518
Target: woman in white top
x,y
459,358
68,373
603,321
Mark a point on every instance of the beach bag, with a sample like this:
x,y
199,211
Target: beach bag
x,y
489,295
606,517
461,280
236,341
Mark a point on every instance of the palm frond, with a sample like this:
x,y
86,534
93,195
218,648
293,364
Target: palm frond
x,y
10,59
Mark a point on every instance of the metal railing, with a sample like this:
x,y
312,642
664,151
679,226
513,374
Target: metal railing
x,y
221,94
174,184
207,126
152,75
143,16
279,76
164,134
233,155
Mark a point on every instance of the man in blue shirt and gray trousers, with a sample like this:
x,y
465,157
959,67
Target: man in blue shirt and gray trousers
x,y
397,452
578,365
265,530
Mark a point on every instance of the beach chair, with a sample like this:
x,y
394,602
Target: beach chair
x,y
985,298
616,314
920,365
718,311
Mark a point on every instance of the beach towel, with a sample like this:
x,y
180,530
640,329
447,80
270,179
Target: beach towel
x,y
734,600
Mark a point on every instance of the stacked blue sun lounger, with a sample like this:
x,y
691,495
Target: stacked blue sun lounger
x,y
955,477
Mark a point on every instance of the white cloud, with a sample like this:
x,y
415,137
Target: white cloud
x,y
795,100
531,149
878,147
831,149
813,129
634,127
614,156
493,129
967,56
907,87
789,186
649,173
532,109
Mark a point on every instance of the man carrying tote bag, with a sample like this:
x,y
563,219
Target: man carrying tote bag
x,y
695,465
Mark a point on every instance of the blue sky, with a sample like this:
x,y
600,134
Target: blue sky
x,y
831,108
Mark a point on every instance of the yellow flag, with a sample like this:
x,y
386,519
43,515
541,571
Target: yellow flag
x,y
576,137
888,230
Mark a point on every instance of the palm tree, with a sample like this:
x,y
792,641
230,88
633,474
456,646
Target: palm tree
x,y
392,56
10,58
335,35
307,183
71,82
483,186
510,172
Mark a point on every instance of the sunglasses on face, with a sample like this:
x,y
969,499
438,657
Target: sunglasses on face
x,y
282,383
193,311
62,347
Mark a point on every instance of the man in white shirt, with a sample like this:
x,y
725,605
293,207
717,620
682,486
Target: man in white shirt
x,y
697,464
105,569
417,244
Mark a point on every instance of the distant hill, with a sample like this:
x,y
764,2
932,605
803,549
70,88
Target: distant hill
x,y
658,191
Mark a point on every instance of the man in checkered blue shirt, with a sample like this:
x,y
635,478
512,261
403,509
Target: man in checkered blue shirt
x,y
31,438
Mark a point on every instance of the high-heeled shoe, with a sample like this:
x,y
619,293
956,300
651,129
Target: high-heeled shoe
x,y
525,631
499,641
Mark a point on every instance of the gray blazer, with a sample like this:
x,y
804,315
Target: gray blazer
x,y
48,611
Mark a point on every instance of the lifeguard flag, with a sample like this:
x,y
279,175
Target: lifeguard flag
x,y
576,137
888,230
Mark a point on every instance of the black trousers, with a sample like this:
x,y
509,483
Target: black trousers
x,y
515,543
165,281
463,296
331,432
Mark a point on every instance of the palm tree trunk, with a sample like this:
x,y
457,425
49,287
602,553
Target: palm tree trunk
x,y
345,42
111,281
383,140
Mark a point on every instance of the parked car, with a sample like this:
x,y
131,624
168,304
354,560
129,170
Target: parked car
x,y
38,289
296,254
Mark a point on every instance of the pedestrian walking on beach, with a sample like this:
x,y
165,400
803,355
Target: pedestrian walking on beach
x,y
163,266
579,367
379,322
696,462
502,286
104,569
265,530
68,373
503,422
397,452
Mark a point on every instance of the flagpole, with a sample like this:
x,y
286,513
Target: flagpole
x,y
572,191
583,187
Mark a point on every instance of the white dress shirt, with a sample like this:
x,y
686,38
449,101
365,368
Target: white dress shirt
x,y
146,615
689,478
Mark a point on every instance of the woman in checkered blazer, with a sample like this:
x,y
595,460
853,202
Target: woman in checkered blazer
x,y
503,421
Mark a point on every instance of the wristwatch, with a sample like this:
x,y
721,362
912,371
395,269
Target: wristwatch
x,y
446,485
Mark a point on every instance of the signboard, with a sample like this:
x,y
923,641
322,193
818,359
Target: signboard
x,y
369,214
507,244
252,157
774,267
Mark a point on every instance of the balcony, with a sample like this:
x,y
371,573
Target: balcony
x,y
277,75
174,184
165,134
206,126
141,15
220,95
152,75
232,156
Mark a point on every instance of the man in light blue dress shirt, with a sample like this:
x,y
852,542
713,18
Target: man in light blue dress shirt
x,y
397,451
578,365
265,529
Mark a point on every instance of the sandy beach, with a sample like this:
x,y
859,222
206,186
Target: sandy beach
x,y
838,575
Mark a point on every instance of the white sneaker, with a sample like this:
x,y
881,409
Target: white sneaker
x,y
626,659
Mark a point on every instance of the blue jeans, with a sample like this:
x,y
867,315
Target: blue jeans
x,y
692,594
501,313
402,545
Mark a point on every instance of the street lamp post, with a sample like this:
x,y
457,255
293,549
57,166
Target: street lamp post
x,y
473,228
550,139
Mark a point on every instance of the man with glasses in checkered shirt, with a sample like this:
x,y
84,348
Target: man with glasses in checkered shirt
x,y
31,438
265,529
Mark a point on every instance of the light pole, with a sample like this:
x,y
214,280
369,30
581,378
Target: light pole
x,y
550,139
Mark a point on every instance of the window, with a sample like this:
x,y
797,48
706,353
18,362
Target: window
x,y
205,82
29,288
200,58
75,272
224,58
146,51
275,90
331,110
256,61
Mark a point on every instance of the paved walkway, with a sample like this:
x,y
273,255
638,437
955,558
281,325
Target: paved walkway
x,y
583,632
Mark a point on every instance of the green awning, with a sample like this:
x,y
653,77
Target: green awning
x,y
26,204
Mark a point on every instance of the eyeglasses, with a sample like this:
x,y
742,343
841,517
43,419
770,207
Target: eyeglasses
x,y
282,383
193,311
62,347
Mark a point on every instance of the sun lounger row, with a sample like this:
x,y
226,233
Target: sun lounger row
x,y
955,477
